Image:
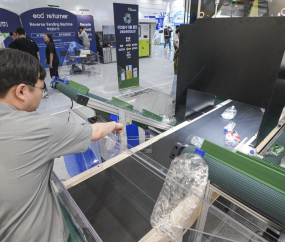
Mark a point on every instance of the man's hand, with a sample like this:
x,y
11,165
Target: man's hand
x,y
119,129
50,66
100,130
45,61
78,33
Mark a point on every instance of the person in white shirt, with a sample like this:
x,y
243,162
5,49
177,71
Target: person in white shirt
x,y
175,38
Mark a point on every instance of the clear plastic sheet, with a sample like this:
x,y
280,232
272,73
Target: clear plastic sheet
x,y
134,182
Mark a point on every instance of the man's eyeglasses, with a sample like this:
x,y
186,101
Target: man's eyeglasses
x,y
42,88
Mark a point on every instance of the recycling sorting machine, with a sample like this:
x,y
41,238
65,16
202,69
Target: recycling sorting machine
x,y
245,196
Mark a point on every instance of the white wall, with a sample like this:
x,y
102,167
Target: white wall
x,y
102,10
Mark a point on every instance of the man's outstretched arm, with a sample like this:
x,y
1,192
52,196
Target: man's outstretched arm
x,y
100,130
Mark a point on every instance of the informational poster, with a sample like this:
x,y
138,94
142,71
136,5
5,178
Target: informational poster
x,y
126,30
8,21
87,22
61,24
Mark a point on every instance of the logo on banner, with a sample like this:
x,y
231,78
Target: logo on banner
x,y
60,16
130,9
127,18
39,15
3,24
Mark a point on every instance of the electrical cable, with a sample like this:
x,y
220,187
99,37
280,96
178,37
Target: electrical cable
x,y
70,109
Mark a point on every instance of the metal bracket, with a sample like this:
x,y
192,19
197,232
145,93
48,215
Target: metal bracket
x,y
176,150
82,99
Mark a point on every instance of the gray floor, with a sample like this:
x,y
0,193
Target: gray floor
x,y
156,76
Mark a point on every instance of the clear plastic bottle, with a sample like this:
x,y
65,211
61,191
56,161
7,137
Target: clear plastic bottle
x,y
165,119
229,127
229,113
232,138
197,141
249,150
184,185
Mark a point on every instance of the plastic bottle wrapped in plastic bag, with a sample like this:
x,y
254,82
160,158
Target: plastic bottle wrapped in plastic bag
x,y
229,113
184,185
276,150
229,127
282,163
232,138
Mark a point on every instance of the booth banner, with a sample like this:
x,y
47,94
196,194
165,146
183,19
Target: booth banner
x,y
87,22
61,24
8,21
127,37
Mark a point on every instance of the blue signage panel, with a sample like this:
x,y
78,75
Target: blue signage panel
x,y
87,22
61,24
8,21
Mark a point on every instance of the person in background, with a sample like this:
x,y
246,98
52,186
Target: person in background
x,y
175,37
84,37
29,143
97,41
174,84
25,43
51,56
13,35
167,36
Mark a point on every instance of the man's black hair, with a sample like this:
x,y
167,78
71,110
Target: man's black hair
x,y
20,31
81,28
17,67
177,31
12,32
177,26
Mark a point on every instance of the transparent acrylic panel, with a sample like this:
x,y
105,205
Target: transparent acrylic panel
x,y
78,226
121,199
71,165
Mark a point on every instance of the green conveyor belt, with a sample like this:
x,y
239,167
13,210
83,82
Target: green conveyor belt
x,y
254,188
122,104
83,89
151,115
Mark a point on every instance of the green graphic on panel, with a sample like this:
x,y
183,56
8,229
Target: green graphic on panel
x,y
128,77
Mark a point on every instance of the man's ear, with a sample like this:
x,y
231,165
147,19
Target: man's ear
x,y
21,90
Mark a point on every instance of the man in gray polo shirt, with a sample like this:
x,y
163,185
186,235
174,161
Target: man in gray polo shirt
x,y
84,37
29,142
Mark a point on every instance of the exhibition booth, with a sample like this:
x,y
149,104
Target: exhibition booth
x,y
212,171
